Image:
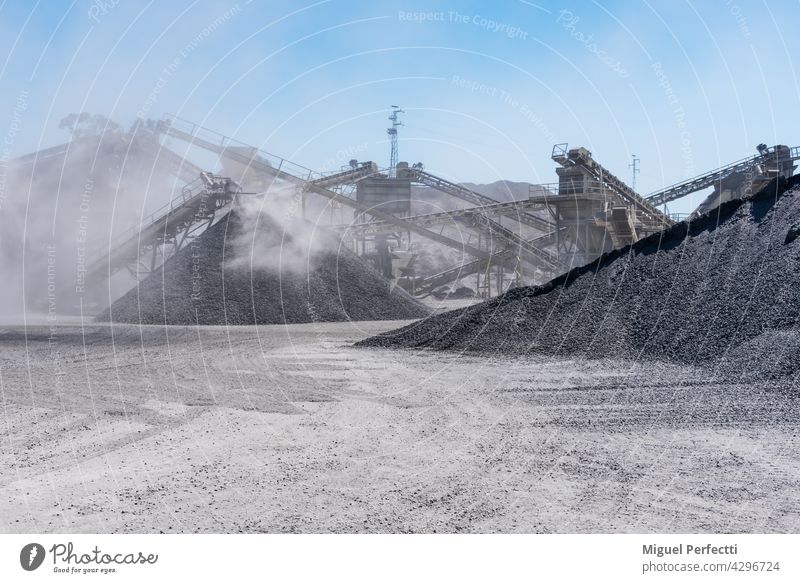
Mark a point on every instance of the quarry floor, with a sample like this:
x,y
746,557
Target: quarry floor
x,y
289,429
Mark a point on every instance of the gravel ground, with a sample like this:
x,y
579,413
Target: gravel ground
x,y
721,290
291,429
222,279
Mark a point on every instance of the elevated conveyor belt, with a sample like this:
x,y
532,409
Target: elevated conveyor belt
x,y
645,209
776,158
55,152
500,208
178,166
532,251
173,163
304,178
349,176
430,283
464,193
197,205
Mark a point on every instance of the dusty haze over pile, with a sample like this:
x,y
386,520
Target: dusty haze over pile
x,y
59,212
301,241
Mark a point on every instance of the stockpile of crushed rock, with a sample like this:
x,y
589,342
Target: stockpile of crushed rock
x,y
723,289
222,279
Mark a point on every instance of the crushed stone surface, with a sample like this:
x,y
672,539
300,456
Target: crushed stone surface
x,y
289,428
220,279
721,291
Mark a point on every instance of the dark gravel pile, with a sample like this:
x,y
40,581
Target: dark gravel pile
x,y
723,290
212,282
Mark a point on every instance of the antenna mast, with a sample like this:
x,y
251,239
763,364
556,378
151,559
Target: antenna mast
x,y
392,131
635,165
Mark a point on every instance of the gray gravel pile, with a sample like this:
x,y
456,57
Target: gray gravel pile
x,y
213,282
722,290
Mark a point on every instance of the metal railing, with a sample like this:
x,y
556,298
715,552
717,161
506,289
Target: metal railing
x,y
188,192
678,217
707,179
546,189
557,189
219,142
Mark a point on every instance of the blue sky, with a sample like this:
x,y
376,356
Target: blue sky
x,y
488,87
